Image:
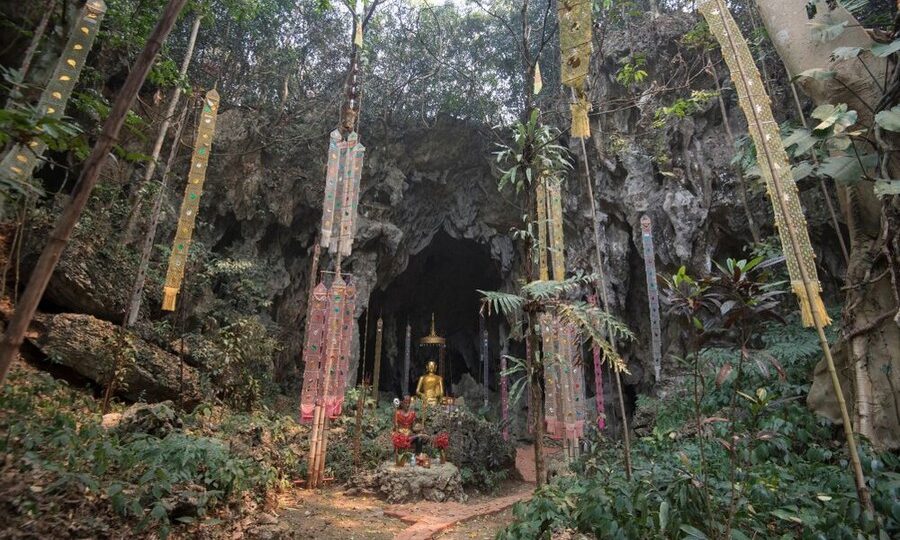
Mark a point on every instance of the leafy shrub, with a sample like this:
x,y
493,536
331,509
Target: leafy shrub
x,y
791,481
62,461
476,447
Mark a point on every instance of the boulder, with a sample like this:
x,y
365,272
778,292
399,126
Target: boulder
x,y
157,419
90,347
440,483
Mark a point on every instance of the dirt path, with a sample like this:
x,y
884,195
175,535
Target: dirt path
x,y
329,514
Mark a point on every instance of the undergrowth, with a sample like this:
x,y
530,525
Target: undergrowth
x,y
792,478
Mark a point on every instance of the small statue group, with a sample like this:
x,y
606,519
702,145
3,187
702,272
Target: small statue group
x,y
409,434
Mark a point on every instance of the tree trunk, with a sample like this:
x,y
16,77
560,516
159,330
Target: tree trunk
x,y
133,308
29,52
854,85
59,237
536,374
136,202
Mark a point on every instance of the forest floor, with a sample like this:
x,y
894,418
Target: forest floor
x,y
331,515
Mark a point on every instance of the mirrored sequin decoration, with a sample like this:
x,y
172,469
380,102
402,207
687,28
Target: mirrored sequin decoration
x,y
190,204
20,162
313,351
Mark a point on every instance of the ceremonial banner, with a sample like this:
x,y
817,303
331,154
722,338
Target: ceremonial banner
x,y
551,355
504,386
376,371
313,351
342,179
404,378
773,161
342,304
652,294
190,204
557,244
598,379
575,49
485,361
543,224
19,163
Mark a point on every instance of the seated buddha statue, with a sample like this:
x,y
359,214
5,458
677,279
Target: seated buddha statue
x,y
431,385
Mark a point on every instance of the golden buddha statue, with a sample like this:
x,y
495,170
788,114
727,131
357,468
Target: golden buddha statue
x,y
431,385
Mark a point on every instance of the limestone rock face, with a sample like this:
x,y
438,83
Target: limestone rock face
x,y
440,483
88,346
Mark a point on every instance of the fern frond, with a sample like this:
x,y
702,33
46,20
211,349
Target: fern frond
x,y
596,324
507,304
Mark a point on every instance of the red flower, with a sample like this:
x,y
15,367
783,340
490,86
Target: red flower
x,y
442,441
401,441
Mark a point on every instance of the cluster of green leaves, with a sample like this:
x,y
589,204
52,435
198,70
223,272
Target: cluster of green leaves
x,y
683,107
476,447
792,481
533,154
632,71
55,441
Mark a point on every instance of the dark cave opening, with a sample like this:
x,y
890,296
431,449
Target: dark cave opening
x,y
443,279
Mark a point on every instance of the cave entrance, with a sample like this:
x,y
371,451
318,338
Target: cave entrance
x,y
443,279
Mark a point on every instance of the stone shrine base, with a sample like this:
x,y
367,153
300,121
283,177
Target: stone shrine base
x,y
440,483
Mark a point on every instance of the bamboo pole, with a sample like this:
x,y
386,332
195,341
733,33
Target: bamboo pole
x,y
59,238
376,370
604,298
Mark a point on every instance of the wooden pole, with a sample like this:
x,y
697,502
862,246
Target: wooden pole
x,y
604,297
90,173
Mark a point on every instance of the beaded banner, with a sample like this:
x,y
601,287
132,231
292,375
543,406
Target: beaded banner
x,y
190,204
313,351
598,378
19,163
339,208
773,161
652,293
572,378
404,377
575,49
555,232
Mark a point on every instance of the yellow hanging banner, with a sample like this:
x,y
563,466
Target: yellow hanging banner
x,y
773,160
190,205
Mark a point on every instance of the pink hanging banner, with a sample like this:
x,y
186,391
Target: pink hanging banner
x,y
598,379
334,399
313,351
504,397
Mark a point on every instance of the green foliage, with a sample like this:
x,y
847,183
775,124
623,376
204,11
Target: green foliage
x,y
792,478
59,450
632,71
683,107
534,154
590,321
239,365
476,447
699,37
